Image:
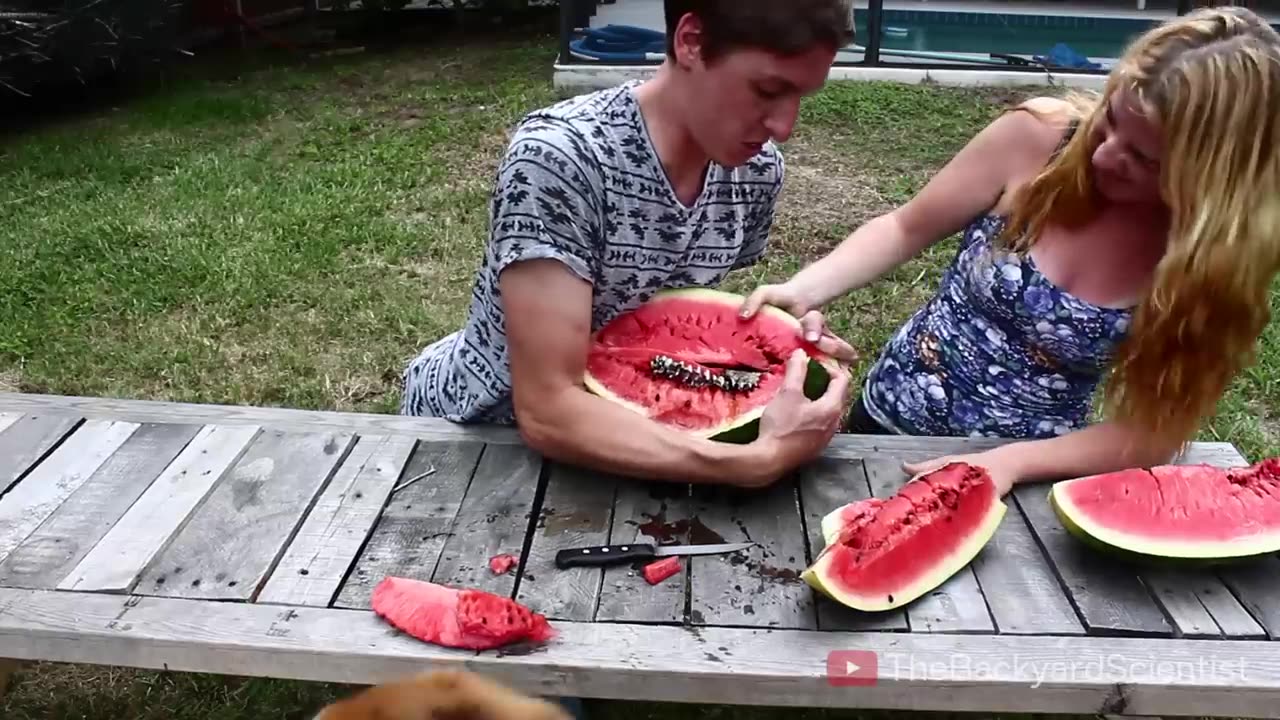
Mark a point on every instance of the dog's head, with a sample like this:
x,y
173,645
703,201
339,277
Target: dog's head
x,y
442,695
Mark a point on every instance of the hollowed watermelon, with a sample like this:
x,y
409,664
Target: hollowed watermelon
x,y
687,360
883,553
1180,513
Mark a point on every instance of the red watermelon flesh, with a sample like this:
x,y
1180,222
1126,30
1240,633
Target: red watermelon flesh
x,y
1177,511
701,329
454,617
887,552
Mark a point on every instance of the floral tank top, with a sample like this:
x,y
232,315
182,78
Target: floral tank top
x,y
999,351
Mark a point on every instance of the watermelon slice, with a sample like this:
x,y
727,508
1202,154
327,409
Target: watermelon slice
x,y
883,553
1197,513
459,618
687,360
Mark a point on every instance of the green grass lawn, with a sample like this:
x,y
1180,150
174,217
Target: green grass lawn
x,y
293,234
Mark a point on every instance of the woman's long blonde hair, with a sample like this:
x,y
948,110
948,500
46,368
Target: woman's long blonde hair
x,y
1211,79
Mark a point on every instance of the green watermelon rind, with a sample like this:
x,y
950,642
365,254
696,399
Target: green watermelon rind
x,y
743,428
945,568
1134,549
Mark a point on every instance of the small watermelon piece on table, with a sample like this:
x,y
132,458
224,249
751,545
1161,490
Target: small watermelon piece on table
x,y
457,617
687,359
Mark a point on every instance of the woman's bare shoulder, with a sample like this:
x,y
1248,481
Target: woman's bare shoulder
x,y
1034,128
1045,118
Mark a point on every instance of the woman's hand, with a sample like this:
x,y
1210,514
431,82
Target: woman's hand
x,y
813,326
1002,469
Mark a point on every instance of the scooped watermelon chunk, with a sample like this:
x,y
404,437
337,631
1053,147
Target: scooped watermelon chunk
x,y
1197,513
883,553
454,617
656,572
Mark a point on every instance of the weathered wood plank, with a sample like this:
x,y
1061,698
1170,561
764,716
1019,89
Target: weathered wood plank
x,y
410,533
230,543
957,605
1109,596
49,484
118,559
759,586
826,485
326,546
985,674
494,518
1200,605
1019,584
912,448
1228,612
576,511
1254,583
62,541
24,440
275,418
658,513
843,445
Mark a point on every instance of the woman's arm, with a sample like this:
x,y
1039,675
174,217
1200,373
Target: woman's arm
x,y
1104,447
972,182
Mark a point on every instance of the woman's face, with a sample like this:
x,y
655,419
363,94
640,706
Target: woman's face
x,y
1126,161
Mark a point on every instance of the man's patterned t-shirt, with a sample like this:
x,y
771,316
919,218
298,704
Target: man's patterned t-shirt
x,y
582,183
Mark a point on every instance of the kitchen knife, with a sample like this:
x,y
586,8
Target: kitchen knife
x,y
604,555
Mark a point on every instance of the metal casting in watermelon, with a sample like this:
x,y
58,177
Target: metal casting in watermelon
x,y
687,360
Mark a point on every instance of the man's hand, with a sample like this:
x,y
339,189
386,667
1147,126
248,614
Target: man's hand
x,y
796,429
548,319
813,326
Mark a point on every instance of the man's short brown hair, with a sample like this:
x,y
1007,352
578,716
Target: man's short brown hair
x,y
786,27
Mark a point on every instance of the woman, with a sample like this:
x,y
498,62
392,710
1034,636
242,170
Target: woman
x,y
1135,236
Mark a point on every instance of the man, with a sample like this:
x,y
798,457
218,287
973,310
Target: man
x,y
605,198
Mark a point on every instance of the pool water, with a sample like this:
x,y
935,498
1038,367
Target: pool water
x,y
1013,33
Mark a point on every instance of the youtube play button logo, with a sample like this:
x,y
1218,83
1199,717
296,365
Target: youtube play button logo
x,y
851,667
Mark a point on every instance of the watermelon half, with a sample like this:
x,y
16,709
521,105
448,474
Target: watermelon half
x,y
1181,513
883,553
686,359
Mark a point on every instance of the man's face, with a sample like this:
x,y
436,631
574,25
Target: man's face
x,y
747,96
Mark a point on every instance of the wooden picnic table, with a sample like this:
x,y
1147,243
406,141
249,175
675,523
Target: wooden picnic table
x,y
247,541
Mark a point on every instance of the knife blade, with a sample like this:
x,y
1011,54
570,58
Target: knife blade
x,y
605,555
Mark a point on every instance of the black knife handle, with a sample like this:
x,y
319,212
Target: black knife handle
x,y
602,555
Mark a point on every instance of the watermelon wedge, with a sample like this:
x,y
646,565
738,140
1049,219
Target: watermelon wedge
x,y
1197,513
883,553
687,360
458,618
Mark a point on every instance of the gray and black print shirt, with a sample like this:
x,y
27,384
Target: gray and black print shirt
x,y
581,183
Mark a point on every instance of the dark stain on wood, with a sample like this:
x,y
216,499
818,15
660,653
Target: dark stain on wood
x,y
667,533
245,493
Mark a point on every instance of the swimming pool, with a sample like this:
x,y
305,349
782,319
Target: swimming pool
x,y
1011,33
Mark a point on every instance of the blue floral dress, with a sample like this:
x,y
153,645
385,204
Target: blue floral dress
x,y
999,351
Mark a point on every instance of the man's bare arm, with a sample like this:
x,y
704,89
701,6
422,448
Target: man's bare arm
x,y
548,319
